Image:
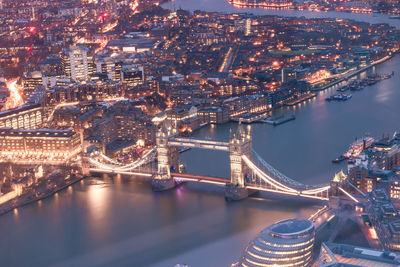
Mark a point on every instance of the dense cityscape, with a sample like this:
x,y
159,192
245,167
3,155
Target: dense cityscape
x,y
119,96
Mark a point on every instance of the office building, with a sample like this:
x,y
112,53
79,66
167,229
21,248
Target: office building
x,y
75,63
41,144
23,117
286,243
213,115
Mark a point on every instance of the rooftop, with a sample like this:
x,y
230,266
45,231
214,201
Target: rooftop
x,y
290,227
380,195
137,42
119,144
358,256
36,132
22,108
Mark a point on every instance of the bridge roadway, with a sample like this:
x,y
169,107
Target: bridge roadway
x,y
267,189
199,178
207,179
195,143
176,176
223,181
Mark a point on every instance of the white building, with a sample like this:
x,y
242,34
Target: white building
x,y
286,243
76,63
248,27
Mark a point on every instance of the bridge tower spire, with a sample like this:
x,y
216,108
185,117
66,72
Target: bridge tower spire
x,y
240,144
167,158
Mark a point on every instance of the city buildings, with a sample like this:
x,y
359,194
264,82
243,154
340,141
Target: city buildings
x,y
33,80
374,165
385,219
100,78
43,144
179,114
83,92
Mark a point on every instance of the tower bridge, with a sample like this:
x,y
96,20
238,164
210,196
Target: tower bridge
x,y
248,171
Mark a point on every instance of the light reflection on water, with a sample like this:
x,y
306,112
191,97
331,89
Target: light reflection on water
x,y
384,93
97,200
15,211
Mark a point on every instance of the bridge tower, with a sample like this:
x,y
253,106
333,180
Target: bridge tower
x,y
84,165
167,158
240,144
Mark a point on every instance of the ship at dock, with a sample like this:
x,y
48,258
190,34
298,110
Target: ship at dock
x,y
358,146
358,85
339,97
340,159
355,149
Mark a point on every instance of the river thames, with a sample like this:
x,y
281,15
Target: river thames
x,y
120,221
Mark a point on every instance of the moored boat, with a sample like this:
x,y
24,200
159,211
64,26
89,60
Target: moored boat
x,y
339,159
339,97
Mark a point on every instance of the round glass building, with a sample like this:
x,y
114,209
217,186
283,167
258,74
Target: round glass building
x,y
286,243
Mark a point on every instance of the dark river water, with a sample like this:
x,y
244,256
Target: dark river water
x,y
224,7
121,222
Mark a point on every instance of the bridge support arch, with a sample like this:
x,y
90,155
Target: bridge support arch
x,y
240,144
